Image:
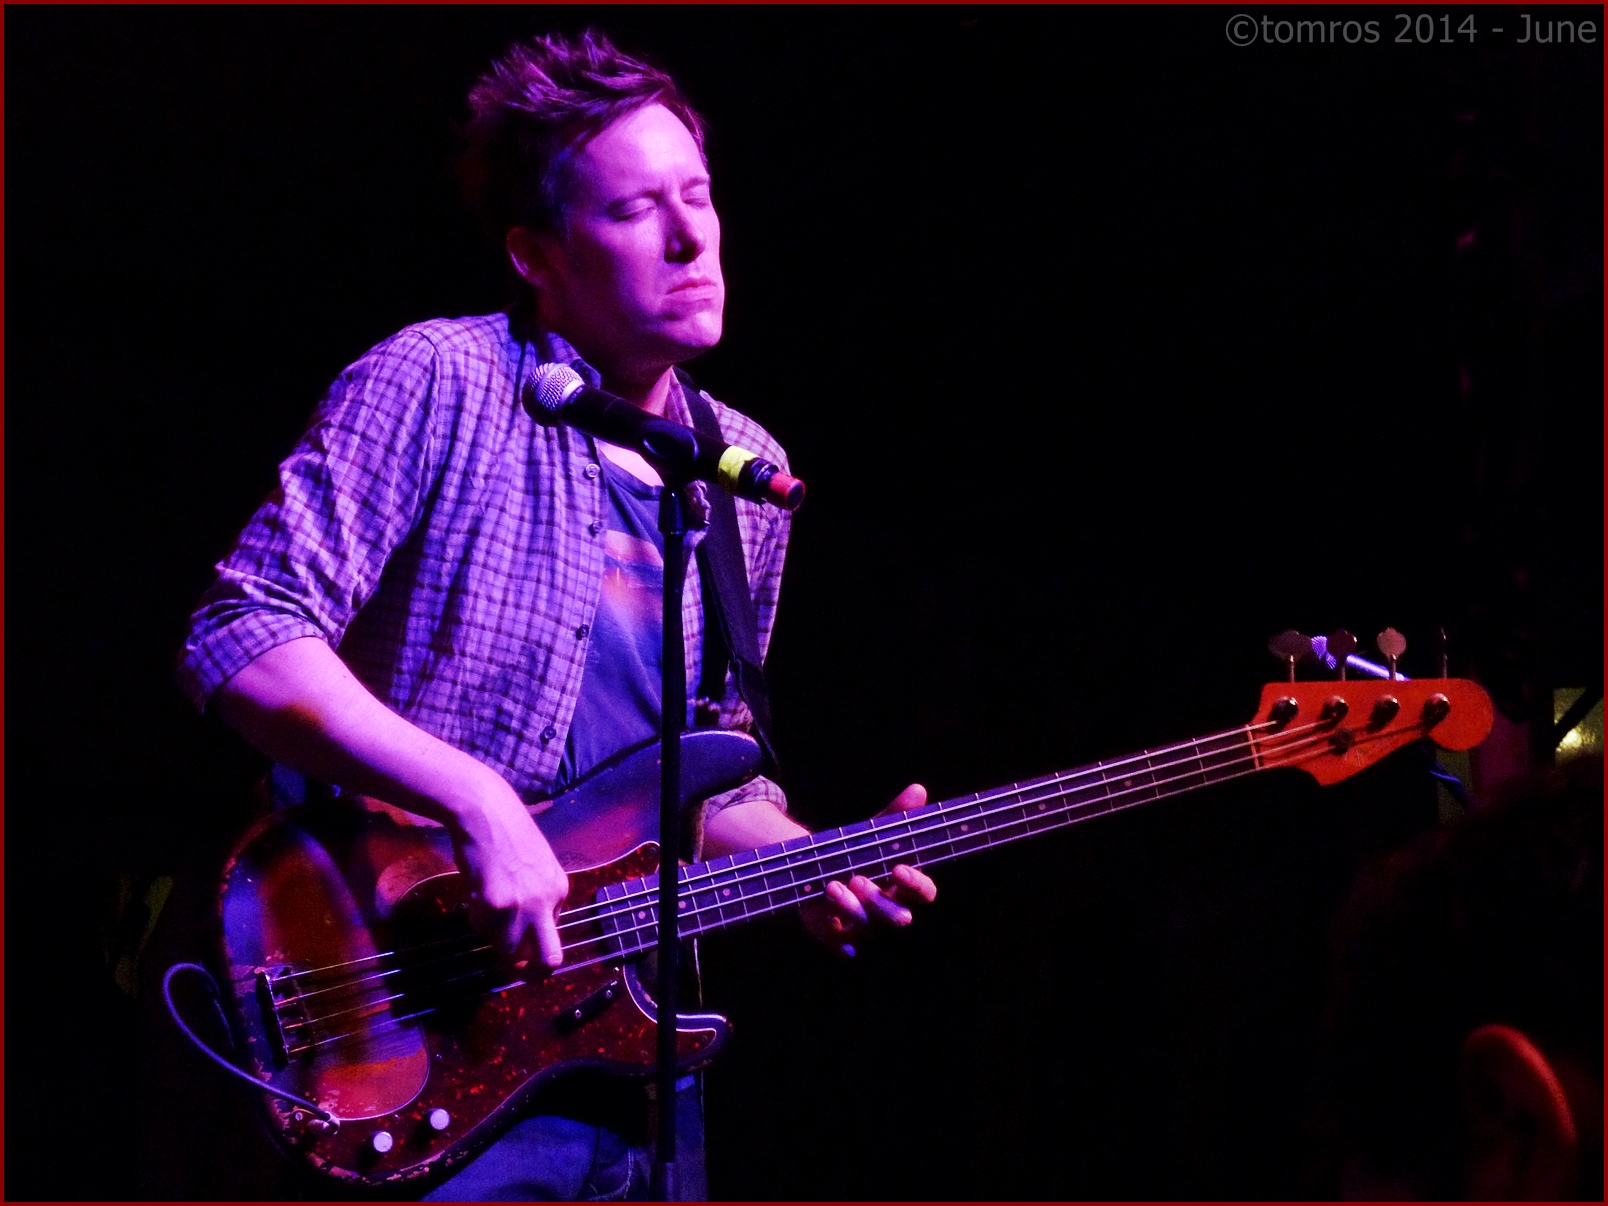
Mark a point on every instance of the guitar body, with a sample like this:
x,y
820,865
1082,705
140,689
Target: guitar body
x,y
358,984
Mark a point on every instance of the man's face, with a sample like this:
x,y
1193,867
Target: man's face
x,y
635,282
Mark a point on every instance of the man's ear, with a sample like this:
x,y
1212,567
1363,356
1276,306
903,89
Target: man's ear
x,y
530,254
1523,1141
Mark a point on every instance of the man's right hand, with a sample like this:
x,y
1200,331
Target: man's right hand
x,y
517,884
299,704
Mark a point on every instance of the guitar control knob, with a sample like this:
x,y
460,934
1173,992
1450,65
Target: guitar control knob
x,y
383,1142
440,1120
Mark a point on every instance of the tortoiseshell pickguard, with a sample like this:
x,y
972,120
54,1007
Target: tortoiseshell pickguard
x,y
319,887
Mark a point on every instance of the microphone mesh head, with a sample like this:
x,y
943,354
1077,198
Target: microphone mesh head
x,y
551,386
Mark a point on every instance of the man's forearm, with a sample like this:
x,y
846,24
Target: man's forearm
x,y
746,826
300,704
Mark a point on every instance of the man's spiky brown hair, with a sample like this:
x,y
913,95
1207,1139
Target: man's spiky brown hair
x,y
535,107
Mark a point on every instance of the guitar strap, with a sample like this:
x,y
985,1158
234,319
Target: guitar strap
x,y
731,627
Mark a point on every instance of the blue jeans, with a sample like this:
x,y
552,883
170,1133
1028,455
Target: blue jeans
x,y
551,1158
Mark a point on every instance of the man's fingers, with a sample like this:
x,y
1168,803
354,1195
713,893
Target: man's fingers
x,y
547,939
527,942
516,889
913,796
912,886
847,903
879,903
515,947
839,914
832,921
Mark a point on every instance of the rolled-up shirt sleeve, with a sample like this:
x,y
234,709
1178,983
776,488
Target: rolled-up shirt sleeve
x,y
346,497
759,788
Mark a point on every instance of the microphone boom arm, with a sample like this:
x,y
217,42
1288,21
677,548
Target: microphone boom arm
x,y
555,394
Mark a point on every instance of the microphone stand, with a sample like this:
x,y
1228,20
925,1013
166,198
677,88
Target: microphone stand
x,y
672,720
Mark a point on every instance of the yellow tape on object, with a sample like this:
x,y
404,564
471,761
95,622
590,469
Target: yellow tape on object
x,y
731,464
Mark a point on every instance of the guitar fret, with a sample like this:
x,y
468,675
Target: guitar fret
x,y
1224,754
894,842
618,924
1199,778
1126,784
711,899
966,828
802,876
733,904
753,883
1040,818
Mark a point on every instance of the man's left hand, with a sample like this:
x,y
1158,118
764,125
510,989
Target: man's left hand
x,y
846,911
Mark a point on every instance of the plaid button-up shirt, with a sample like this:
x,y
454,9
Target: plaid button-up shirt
x,y
451,549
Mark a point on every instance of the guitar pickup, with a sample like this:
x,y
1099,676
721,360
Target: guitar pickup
x,y
572,1017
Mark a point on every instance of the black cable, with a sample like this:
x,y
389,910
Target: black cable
x,y
1449,781
173,1011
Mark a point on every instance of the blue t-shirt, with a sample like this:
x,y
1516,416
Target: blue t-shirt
x,y
619,701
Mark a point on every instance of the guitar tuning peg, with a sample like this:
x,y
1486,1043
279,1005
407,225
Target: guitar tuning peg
x,y
1341,645
1290,646
1392,644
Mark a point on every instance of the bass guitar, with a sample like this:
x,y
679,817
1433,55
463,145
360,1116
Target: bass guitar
x,y
356,985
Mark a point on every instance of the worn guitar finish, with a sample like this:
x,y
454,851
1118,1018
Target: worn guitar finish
x,y
358,984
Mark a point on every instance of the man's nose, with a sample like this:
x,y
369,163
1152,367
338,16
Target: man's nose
x,y
687,237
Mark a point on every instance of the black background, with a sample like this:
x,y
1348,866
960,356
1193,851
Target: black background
x,y
1108,349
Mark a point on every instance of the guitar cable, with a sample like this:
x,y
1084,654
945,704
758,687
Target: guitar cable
x,y
226,1065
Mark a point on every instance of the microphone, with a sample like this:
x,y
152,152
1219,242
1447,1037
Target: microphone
x,y
555,394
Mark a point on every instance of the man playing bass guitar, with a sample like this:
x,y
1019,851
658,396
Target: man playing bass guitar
x,y
453,609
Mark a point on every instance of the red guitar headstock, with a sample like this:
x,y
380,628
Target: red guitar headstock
x,y
1332,730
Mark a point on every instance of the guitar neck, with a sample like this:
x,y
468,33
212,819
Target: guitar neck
x,y
753,883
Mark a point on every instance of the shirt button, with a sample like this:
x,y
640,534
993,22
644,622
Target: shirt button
x,y
549,733
595,526
591,471
580,633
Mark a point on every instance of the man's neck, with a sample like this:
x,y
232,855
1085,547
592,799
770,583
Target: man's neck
x,y
652,395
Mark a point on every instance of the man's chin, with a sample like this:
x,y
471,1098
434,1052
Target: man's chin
x,y
686,340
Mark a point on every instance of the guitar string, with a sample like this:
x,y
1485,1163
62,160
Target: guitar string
x,y
580,914
927,830
413,966
392,1026
614,939
919,823
823,851
398,1023
624,905
935,811
372,1004
617,951
1284,762
349,963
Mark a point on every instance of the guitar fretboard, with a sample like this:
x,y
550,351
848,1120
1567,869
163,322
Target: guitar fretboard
x,y
752,883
